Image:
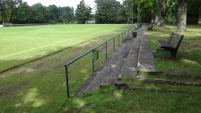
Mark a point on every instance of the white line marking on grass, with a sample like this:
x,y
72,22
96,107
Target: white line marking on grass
x,y
46,46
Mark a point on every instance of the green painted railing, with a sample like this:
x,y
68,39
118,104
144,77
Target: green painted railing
x,y
122,35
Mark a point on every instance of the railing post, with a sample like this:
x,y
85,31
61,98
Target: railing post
x,y
114,44
118,41
92,60
128,33
122,36
67,82
106,51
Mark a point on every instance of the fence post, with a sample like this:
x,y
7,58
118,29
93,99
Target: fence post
x,y
92,60
67,82
106,51
128,32
114,44
122,36
118,41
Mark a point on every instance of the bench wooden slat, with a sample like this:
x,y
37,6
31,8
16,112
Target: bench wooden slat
x,y
162,43
175,40
172,44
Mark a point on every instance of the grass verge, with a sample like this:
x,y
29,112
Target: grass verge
x,y
152,97
40,86
20,45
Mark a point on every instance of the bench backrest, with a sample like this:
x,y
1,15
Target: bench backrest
x,y
176,40
171,35
150,26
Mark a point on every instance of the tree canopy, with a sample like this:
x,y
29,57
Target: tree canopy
x,y
83,12
16,11
106,11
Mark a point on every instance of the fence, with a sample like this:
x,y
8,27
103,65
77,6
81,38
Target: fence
x,y
7,25
114,42
90,22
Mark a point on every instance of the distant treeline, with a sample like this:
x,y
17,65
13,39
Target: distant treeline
x,y
106,11
16,11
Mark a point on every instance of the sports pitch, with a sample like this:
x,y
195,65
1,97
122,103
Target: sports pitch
x,y
22,44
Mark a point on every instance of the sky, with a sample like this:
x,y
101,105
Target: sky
x,y
71,3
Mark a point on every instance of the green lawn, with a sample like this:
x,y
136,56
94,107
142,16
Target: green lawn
x,y
189,51
22,44
40,86
145,97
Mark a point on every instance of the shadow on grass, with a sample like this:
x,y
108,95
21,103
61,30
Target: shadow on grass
x,y
109,99
188,53
41,86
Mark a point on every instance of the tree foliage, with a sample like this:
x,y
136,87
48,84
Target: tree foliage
x,y
108,11
194,7
52,14
16,11
24,13
66,14
83,12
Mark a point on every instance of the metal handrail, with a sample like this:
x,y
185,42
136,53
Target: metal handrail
x,y
127,32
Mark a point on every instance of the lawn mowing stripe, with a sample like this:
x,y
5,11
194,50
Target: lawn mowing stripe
x,y
46,45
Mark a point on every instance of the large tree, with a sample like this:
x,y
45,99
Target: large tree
x,y
163,6
8,10
194,7
148,10
83,12
24,13
107,11
14,5
122,14
5,11
66,14
39,13
182,13
52,15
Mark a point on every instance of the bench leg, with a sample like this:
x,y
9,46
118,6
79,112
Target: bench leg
x,y
172,56
173,53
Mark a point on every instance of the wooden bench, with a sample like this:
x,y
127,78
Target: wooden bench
x,y
168,41
172,44
150,27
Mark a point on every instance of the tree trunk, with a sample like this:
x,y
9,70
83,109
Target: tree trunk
x,y
161,19
153,20
162,8
182,11
156,19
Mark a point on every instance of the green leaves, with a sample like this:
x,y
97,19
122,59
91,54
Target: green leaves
x,y
83,12
109,11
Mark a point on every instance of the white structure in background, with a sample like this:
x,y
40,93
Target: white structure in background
x,y
1,25
7,25
90,22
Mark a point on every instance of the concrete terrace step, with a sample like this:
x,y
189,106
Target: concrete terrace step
x,y
115,67
133,56
129,68
110,71
146,59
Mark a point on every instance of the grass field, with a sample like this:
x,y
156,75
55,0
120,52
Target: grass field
x,y
145,97
22,44
39,86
